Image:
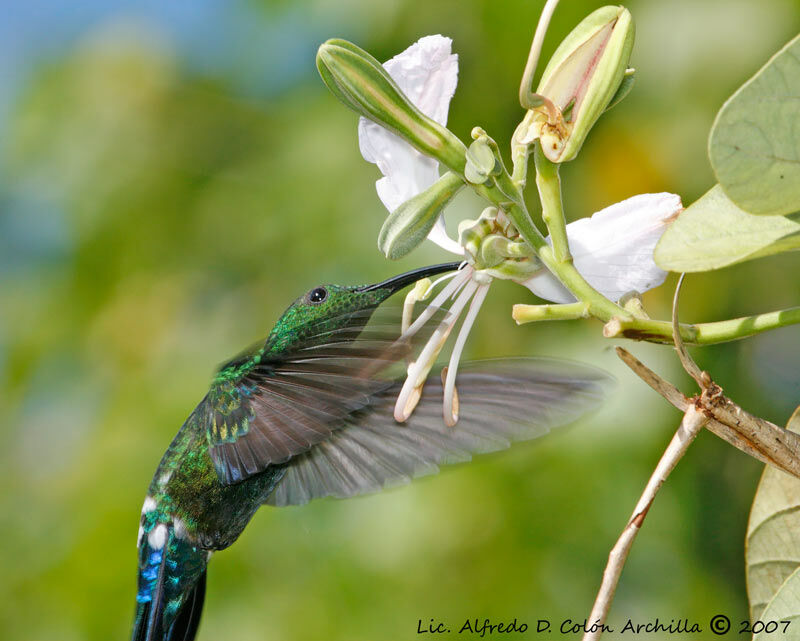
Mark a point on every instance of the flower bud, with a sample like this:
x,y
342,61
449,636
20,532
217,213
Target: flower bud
x,y
361,83
481,162
471,233
409,224
581,79
494,254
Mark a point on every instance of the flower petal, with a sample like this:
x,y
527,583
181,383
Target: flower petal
x,y
613,249
439,236
427,73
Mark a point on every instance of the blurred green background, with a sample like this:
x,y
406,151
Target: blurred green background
x,y
175,174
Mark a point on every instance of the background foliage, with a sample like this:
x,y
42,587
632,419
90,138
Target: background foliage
x,y
173,175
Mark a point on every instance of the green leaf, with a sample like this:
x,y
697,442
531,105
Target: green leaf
x,y
754,145
713,232
784,609
772,546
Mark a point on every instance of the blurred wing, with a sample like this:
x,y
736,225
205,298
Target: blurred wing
x,y
500,401
286,403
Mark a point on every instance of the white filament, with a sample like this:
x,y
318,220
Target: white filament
x,y
419,370
418,294
451,288
450,418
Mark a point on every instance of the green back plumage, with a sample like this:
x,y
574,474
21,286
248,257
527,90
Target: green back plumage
x,y
317,365
303,324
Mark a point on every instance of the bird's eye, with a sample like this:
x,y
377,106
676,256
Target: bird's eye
x,y
318,295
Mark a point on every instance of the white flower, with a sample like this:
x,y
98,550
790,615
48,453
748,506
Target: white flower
x,y
427,73
613,249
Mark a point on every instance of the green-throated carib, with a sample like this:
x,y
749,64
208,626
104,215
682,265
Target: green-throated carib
x,y
308,413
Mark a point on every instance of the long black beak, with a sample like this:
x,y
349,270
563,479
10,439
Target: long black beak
x,y
397,283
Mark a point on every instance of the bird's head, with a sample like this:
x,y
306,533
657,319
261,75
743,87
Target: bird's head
x,y
339,306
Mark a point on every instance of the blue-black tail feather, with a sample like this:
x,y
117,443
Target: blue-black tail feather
x,y
150,617
185,626
172,586
148,625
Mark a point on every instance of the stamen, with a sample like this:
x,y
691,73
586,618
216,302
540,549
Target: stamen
x,y
454,410
412,401
418,372
450,409
441,279
452,287
420,291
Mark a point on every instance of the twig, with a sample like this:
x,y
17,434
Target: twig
x,y
666,389
674,396
760,439
692,423
765,441
700,377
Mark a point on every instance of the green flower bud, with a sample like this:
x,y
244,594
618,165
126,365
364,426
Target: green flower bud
x,y
581,79
481,164
471,233
490,251
409,224
361,83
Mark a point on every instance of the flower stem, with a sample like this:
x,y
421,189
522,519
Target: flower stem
x,y
507,197
531,313
556,258
527,98
549,184
702,333
620,322
520,150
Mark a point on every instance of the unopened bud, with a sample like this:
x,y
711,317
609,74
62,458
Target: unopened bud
x,y
471,233
409,224
481,162
580,81
361,83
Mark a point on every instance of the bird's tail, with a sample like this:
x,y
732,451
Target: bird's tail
x,y
172,585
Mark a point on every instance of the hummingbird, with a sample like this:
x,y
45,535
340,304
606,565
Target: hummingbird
x,y
307,413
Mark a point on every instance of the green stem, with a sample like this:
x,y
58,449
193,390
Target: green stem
x,y
519,157
549,184
633,304
619,322
599,306
520,150
531,313
701,333
527,98
563,269
505,195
